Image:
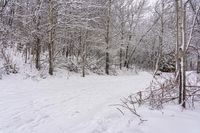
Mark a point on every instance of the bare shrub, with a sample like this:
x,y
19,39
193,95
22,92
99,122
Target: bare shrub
x,y
159,93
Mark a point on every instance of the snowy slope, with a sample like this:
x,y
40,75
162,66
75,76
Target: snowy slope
x,y
82,105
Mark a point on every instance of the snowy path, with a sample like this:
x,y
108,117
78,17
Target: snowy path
x,y
82,105
60,105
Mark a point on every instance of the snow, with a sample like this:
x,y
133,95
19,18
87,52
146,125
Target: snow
x,y
83,105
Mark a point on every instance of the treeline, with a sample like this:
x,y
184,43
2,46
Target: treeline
x,y
97,35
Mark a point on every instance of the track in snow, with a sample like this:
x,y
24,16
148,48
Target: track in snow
x,y
61,105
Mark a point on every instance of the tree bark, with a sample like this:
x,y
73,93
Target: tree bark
x,y
161,36
108,39
198,64
120,58
182,53
37,47
50,46
37,54
126,64
177,38
183,57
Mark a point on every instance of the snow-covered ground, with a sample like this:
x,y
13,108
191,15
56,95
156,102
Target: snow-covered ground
x,y
82,105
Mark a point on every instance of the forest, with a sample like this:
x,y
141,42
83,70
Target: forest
x,y
63,60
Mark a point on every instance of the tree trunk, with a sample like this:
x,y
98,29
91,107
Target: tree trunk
x,y
157,65
198,64
108,39
107,63
120,58
126,63
37,54
50,47
160,53
26,54
177,39
83,66
182,53
180,82
37,43
82,51
183,57
122,43
178,50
